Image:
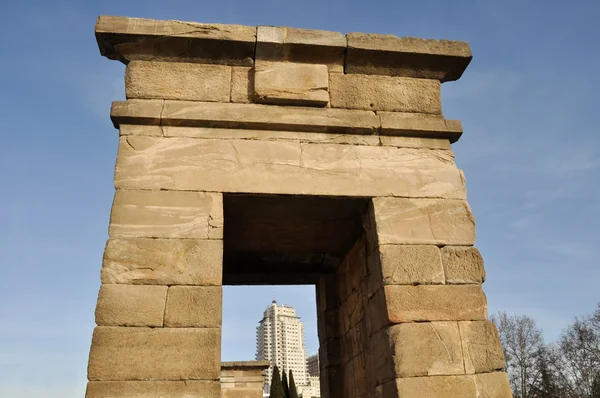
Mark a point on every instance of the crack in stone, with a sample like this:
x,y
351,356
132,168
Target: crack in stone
x,y
443,343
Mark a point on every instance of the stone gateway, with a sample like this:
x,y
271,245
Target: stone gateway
x,y
273,155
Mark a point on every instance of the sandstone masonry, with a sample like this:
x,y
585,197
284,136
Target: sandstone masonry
x,y
275,155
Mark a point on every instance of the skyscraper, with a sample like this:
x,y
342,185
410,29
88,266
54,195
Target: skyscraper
x,y
280,340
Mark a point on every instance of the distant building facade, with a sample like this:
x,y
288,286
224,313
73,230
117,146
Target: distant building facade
x,y
280,340
312,364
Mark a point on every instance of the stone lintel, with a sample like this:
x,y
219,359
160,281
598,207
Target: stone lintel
x,y
125,39
282,118
375,54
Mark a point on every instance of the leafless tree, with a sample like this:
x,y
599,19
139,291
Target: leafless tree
x,y
523,348
578,362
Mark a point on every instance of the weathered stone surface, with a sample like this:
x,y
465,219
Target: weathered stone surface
x,y
164,214
426,349
415,142
493,385
410,265
301,45
436,387
418,125
194,306
256,116
136,111
295,168
153,389
242,84
122,353
463,265
286,83
424,221
375,54
481,347
178,81
385,93
147,261
269,135
128,305
434,303
127,39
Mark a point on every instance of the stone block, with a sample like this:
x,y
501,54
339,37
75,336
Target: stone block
x,y
242,392
147,261
436,387
463,265
178,81
123,353
286,83
426,349
277,43
423,221
194,306
415,142
128,305
385,93
126,39
418,125
435,303
493,385
408,265
258,117
153,389
136,111
165,214
242,84
375,54
268,135
250,166
481,347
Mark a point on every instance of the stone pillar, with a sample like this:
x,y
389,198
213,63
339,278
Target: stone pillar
x,y
216,110
427,310
159,306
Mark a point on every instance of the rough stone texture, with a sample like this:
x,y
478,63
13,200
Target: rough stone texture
x,y
178,81
301,45
153,389
286,83
426,349
418,125
493,385
194,306
424,221
122,353
481,347
270,135
163,261
463,265
256,116
136,111
242,84
242,379
409,265
384,93
127,305
435,387
296,168
415,142
435,303
127,39
165,214
375,54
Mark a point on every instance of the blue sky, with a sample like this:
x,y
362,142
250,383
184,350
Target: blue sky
x,y
530,153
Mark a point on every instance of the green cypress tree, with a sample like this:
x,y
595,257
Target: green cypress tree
x,y
286,387
293,392
276,388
